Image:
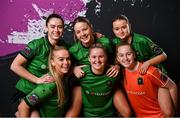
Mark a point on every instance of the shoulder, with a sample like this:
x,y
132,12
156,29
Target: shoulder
x,y
32,47
157,75
103,40
37,42
141,38
74,47
154,72
86,68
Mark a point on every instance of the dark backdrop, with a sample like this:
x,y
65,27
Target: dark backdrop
x,y
157,19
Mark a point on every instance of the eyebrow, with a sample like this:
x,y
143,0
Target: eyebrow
x,y
54,25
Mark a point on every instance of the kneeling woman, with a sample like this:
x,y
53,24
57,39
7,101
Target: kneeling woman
x,y
50,99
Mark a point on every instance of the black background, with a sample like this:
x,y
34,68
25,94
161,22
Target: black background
x,y
157,19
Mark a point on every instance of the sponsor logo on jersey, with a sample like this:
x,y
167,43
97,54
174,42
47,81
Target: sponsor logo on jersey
x,y
136,92
27,50
33,99
92,93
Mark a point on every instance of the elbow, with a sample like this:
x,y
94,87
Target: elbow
x,y
13,67
164,56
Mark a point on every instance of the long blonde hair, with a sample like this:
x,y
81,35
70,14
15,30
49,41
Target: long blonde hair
x,y
56,76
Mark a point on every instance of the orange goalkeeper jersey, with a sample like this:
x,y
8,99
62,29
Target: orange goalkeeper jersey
x,y
142,91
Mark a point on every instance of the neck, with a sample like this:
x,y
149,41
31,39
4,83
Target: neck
x,y
97,72
129,39
134,66
52,42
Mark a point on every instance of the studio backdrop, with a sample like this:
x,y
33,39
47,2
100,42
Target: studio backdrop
x,y
24,20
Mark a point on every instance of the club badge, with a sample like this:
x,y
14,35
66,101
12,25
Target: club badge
x,y
140,81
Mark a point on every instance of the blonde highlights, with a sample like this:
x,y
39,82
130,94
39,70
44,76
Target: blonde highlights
x,y
58,79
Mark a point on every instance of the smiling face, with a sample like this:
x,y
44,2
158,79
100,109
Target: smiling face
x,y
61,61
83,33
55,28
125,56
121,29
98,59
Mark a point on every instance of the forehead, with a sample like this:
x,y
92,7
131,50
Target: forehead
x,y
120,22
97,51
79,25
124,49
55,21
61,53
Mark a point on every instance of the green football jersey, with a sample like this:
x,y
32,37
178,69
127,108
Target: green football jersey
x,y
36,52
97,94
44,97
80,53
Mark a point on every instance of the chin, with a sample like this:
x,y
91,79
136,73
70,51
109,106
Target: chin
x,y
126,66
65,71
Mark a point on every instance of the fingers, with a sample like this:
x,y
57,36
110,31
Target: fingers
x,y
113,71
45,79
80,74
143,70
82,66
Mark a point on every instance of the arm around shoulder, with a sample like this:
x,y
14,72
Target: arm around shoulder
x,y
158,59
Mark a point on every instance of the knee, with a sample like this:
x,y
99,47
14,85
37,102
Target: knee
x,y
23,106
127,113
168,113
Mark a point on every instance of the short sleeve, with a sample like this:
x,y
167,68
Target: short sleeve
x,y
29,51
158,78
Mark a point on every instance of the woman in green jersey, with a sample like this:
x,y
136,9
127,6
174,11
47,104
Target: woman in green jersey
x,y
32,62
97,87
83,33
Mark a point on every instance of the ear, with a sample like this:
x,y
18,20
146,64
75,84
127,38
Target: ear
x,y
117,59
52,63
134,55
45,30
89,59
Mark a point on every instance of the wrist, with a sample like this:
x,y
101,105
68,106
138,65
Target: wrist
x,y
149,62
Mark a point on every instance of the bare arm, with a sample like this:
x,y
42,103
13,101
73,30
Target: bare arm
x,y
158,59
154,61
17,66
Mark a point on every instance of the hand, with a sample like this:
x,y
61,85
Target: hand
x,y
78,72
98,35
113,71
45,79
143,69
